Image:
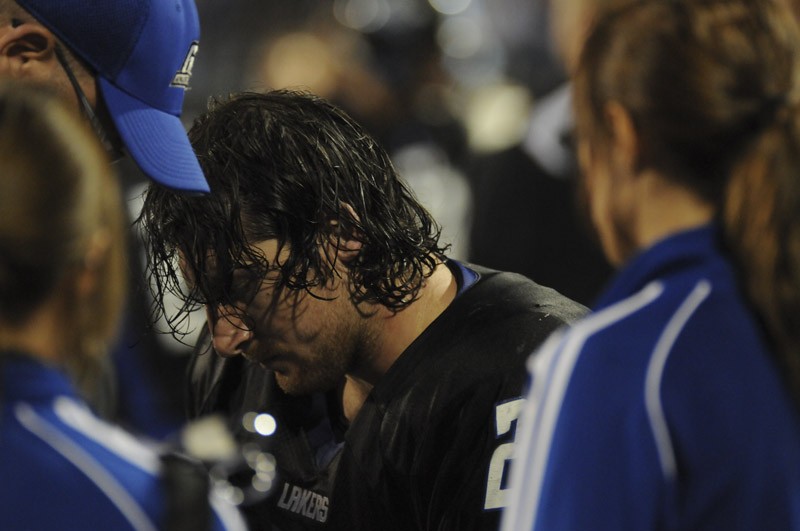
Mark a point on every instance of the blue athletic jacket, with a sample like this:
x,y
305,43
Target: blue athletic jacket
x,y
63,468
661,410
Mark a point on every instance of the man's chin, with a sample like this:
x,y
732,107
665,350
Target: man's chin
x,y
290,384
285,383
294,384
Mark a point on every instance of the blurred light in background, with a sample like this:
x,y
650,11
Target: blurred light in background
x,y
450,7
497,117
471,51
260,423
460,37
362,15
265,424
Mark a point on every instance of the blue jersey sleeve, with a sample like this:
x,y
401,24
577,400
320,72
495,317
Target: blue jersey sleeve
x,y
670,416
571,468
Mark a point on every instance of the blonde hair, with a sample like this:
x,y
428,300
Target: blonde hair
x,y
58,200
712,88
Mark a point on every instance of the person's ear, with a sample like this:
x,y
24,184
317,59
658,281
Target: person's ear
x,y
345,242
93,260
27,47
348,248
625,139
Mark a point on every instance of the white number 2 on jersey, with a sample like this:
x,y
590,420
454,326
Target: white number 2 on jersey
x,y
505,415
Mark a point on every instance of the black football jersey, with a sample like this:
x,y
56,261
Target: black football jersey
x,y
431,446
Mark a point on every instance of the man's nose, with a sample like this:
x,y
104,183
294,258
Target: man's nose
x,y
229,332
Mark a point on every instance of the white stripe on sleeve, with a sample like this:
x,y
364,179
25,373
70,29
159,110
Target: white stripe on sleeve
x,y
655,372
229,515
538,421
77,416
83,461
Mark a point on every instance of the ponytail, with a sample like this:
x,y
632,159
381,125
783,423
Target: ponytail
x,y
761,221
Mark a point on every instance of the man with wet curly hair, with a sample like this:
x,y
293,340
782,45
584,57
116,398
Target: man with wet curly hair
x,y
321,275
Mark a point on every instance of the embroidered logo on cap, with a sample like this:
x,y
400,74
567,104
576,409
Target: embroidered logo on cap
x,y
183,75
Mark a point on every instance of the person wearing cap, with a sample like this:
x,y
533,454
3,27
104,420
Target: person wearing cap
x,y
126,65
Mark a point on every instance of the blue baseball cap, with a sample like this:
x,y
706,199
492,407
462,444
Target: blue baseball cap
x,y
142,53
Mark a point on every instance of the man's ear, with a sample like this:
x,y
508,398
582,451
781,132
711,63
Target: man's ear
x,y
349,249
27,46
345,241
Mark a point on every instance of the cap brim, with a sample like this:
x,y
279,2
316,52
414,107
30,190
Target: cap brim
x,y
156,140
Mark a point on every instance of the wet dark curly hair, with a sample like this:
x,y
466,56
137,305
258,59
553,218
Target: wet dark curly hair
x,y
289,166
